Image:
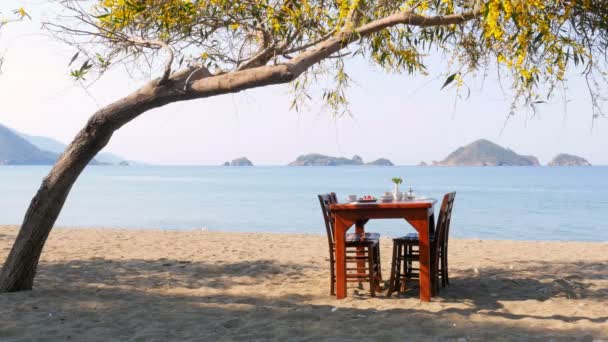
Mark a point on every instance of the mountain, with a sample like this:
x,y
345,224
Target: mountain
x,y
239,162
14,150
381,162
486,153
43,143
52,145
56,146
564,159
315,159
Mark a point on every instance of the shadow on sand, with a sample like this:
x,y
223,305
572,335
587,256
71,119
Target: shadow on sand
x,y
127,300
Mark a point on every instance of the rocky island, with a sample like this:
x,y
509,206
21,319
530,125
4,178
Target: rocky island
x,y
381,162
486,153
564,159
239,162
316,159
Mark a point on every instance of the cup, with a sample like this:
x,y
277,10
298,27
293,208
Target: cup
x,y
398,196
351,198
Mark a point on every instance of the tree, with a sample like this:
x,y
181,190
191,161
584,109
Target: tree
x,y
217,47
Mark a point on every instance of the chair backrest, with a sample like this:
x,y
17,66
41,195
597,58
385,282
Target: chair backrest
x,y
444,220
325,200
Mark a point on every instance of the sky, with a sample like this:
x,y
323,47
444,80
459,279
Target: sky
x,y
403,118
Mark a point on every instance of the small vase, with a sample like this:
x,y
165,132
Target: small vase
x,y
396,192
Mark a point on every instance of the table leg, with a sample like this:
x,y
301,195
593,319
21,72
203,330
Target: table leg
x,y
340,229
422,226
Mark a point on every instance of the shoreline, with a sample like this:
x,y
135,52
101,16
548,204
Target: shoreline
x,y
236,232
104,284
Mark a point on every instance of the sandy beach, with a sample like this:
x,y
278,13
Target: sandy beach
x,y
152,285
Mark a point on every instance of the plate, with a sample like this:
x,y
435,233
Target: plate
x,y
366,200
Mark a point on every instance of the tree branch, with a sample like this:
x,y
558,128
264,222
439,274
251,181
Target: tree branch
x,y
163,45
282,73
311,44
258,59
413,19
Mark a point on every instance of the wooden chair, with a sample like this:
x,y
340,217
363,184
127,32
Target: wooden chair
x,y
360,249
406,251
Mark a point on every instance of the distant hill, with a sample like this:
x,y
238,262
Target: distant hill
x,y
243,161
43,143
564,159
14,150
316,159
381,162
56,146
486,153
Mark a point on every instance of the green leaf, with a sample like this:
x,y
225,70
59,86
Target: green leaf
x,y
449,80
86,66
74,58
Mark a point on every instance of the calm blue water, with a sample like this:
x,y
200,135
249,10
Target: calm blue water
x,y
492,203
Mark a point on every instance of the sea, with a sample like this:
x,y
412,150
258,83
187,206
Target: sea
x,y
513,203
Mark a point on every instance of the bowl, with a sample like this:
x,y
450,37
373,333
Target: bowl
x,y
386,198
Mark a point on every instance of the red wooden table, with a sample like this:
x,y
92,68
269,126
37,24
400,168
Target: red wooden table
x,y
419,213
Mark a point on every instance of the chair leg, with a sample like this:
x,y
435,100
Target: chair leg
x,y
378,269
332,277
408,261
394,266
441,269
435,270
371,265
444,267
378,263
403,278
401,268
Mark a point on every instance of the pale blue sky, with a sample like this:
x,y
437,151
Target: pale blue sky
x,y
403,118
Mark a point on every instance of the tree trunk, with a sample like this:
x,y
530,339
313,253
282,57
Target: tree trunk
x,y
20,267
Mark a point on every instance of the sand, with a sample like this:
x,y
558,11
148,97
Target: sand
x,y
151,285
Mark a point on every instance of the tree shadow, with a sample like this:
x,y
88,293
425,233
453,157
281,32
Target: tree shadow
x,y
488,289
165,272
6,236
166,299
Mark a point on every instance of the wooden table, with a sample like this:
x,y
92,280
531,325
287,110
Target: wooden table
x,y
419,213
